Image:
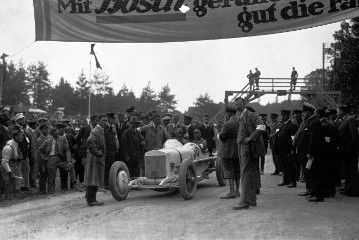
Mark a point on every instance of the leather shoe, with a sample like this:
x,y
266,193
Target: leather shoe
x,y
315,199
229,196
258,191
281,184
304,194
95,203
291,185
275,173
241,206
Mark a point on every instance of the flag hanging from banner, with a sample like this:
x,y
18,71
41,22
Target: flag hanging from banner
x,y
93,53
181,20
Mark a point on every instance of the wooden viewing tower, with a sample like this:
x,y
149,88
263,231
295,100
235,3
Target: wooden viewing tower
x,y
311,91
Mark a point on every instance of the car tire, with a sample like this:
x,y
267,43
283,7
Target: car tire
x,y
119,179
187,179
219,172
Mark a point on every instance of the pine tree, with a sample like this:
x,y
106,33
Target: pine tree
x,y
166,100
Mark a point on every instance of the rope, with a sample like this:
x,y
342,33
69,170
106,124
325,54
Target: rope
x,y
11,56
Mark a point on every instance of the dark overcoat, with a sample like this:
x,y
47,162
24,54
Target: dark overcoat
x,y
228,137
95,161
81,139
283,144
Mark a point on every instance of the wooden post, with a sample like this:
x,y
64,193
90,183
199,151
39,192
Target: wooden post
x,y
2,75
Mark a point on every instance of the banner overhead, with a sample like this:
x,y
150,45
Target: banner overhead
x,y
142,21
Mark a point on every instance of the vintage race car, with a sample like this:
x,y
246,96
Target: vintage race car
x,y
175,166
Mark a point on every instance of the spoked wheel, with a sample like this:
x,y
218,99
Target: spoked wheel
x,y
219,172
119,179
187,181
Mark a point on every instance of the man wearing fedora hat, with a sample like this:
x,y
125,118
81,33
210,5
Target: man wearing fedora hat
x,y
25,150
284,149
132,147
31,126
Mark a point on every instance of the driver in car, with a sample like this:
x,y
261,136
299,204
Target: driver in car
x,y
197,139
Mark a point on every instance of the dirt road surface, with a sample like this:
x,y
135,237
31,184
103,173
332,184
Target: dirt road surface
x,y
147,214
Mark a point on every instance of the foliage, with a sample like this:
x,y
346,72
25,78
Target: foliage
x,y
39,85
148,99
345,52
15,88
63,96
166,100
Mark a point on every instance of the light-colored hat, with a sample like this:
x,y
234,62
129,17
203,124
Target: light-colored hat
x,y
19,116
166,118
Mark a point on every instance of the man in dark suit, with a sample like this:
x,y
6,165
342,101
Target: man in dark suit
x,y
32,125
275,126
229,151
207,132
348,144
266,134
132,147
25,150
81,153
284,149
176,125
121,127
331,141
5,136
250,148
68,128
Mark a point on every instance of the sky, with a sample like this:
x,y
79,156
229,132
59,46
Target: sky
x,y
189,68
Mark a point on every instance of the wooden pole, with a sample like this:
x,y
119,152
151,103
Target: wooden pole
x,y
90,90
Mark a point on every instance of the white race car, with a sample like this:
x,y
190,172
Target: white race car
x,y
175,166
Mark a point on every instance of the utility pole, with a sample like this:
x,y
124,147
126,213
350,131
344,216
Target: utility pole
x,y
2,76
90,90
323,70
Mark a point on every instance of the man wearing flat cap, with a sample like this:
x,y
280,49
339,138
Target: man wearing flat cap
x,y
57,154
68,129
25,150
5,136
284,149
37,132
132,147
11,161
73,147
310,144
250,148
275,126
348,144
228,151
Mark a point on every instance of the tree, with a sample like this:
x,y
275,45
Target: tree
x,y
101,83
15,87
125,98
82,86
147,99
205,105
39,85
63,96
166,100
345,52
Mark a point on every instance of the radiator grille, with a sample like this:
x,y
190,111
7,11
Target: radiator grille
x,y
155,166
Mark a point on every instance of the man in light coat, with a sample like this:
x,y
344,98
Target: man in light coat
x,y
250,148
95,162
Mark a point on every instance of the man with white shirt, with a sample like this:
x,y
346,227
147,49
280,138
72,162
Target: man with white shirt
x,y
12,160
56,152
207,132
